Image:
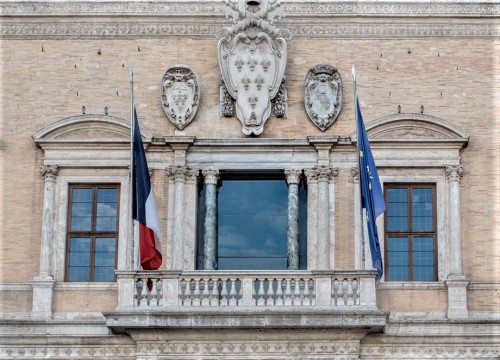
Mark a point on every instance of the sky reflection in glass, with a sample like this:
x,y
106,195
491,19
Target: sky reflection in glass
x,y
252,220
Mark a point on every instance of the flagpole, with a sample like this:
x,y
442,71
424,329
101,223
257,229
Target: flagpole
x,y
363,256
131,190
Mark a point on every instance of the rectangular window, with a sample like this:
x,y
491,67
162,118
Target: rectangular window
x,y
92,232
252,222
410,232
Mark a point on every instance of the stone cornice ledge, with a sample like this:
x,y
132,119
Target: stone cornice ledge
x,y
291,8
246,318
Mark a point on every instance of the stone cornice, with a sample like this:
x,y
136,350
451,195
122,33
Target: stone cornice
x,y
291,8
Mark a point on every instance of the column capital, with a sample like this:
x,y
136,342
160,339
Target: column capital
x,y
179,173
211,175
49,172
355,173
311,175
326,173
454,173
192,175
293,176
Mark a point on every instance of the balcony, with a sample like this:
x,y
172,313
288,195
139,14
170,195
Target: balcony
x,y
246,299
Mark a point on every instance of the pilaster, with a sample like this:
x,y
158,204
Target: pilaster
x,y
456,281
43,284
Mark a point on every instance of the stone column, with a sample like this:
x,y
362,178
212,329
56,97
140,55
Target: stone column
x,y
211,177
323,256
456,281
312,218
293,180
189,217
43,284
179,174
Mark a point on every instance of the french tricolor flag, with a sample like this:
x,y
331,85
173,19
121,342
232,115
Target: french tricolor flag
x,y
144,209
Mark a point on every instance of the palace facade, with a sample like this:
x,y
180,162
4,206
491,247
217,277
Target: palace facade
x,y
247,115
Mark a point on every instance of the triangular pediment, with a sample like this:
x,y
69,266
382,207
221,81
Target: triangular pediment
x,y
88,128
413,128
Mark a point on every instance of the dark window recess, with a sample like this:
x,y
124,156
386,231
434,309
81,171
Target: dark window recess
x,y
253,222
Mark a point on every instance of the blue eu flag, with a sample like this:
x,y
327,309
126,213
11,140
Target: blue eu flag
x,y
372,198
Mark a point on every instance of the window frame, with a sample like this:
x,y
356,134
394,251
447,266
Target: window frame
x,y
92,234
410,234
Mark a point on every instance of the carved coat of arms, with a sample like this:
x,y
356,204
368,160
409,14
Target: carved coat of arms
x,y
252,58
323,95
180,95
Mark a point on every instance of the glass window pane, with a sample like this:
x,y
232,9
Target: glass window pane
x,y
398,244
422,211
104,273
79,273
107,204
81,209
423,273
252,224
397,209
79,259
398,273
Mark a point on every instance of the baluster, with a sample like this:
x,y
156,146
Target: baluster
x,y
153,301
279,292
137,293
350,299
271,293
296,296
196,294
355,288
233,301
261,301
345,286
340,293
144,293
214,294
205,296
188,293
307,293
223,293
288,293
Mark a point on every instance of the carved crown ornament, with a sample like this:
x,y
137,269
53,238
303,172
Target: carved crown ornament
x,y
323,95
252,58
180,95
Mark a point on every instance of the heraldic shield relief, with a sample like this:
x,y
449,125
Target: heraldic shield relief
x,y
252,58
180,95
323,95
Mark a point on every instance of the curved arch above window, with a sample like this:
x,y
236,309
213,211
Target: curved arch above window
x,y
411,128
87,128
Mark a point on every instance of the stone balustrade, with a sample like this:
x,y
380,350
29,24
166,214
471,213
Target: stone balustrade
x,y
238,289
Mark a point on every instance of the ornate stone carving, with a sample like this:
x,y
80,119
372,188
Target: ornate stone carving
x,y
252,59
147,29
180,95
323,95
49,172
226,102
454,173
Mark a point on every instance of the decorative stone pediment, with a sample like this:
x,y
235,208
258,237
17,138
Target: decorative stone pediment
x,y
252,58
323,95
180,95
88,128
414,128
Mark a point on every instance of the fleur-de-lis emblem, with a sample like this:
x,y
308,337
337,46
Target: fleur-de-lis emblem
x,y
259,80
252,62
239,63
253,100
246,82
265,64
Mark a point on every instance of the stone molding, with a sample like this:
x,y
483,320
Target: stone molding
x,y
293,176
124,29
64,352
252,348
417,351
215,8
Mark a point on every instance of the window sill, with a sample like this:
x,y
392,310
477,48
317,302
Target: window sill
x,y
412,285
85,286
